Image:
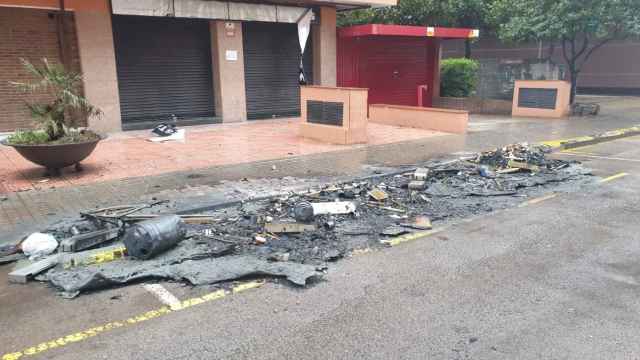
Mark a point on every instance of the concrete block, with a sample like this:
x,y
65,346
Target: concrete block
x,y
22,275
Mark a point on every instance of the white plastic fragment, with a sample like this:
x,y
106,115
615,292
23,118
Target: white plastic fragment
x,y
305,211
39,244
334,208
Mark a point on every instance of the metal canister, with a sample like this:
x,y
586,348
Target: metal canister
x,y
149,238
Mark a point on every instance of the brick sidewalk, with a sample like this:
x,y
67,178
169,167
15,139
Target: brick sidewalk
x,y
128,155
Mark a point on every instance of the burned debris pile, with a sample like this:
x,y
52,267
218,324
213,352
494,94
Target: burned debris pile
x,y
294,235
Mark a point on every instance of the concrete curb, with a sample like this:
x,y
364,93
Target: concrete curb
x,y
611,135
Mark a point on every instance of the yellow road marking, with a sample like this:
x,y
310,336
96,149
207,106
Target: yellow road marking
x,y
94,331
614,177
560,142
538,200
98,258
617,132
410,237
246,286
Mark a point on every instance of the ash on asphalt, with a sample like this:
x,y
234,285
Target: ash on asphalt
x,y
237,236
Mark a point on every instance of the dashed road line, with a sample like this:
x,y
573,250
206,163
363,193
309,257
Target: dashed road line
x,y
95,331
613,177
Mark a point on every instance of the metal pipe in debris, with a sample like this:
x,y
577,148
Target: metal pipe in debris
x,y
149,238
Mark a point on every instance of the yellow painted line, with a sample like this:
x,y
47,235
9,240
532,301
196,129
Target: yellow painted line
x,y
247,286
614,177
538,200
98,258
410,237
560,142
95,331
616,132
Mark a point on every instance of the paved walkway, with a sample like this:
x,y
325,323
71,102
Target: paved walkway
x,y
130,154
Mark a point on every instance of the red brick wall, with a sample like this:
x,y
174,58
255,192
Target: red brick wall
x,y
29,34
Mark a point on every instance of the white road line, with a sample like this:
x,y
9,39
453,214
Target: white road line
x,y
163,295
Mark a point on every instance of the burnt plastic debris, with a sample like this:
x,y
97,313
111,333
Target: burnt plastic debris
x,y
303,211
530,154
164,130
152,237
265,236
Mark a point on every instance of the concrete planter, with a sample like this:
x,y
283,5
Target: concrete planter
x,y
56,157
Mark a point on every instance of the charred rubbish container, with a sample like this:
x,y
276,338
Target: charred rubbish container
x,y
149,238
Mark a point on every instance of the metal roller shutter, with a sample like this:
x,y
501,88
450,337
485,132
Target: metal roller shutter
x,y
164,68
271,59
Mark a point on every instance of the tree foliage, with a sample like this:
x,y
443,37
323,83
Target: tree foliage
x,y
53,116
578,27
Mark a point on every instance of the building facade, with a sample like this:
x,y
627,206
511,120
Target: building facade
x,y
146,61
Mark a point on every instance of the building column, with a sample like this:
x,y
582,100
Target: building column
x,y
228,70
324,48
98,64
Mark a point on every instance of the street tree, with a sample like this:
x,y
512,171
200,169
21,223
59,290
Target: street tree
x,y
578,27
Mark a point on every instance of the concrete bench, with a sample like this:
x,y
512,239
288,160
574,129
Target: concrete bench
x,y
445,120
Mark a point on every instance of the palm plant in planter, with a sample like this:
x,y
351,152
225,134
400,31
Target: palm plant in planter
x,y
56,143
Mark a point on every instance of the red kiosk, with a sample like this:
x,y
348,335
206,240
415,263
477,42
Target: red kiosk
x,y
400,65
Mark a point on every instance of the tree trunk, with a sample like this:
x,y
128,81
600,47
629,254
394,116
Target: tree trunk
x,y
574,90
467,48
574,85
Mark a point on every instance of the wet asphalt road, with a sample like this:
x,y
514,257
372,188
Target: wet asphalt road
x,y
558,279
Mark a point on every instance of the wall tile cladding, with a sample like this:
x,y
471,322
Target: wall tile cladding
x,y
30,34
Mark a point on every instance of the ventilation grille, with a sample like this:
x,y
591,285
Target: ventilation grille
x,y
538,98
324,112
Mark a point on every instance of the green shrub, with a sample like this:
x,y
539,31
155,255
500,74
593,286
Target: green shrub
x,y
28,137
458,77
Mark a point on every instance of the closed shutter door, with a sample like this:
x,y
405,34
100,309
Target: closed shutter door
x,y
271,61
164,68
